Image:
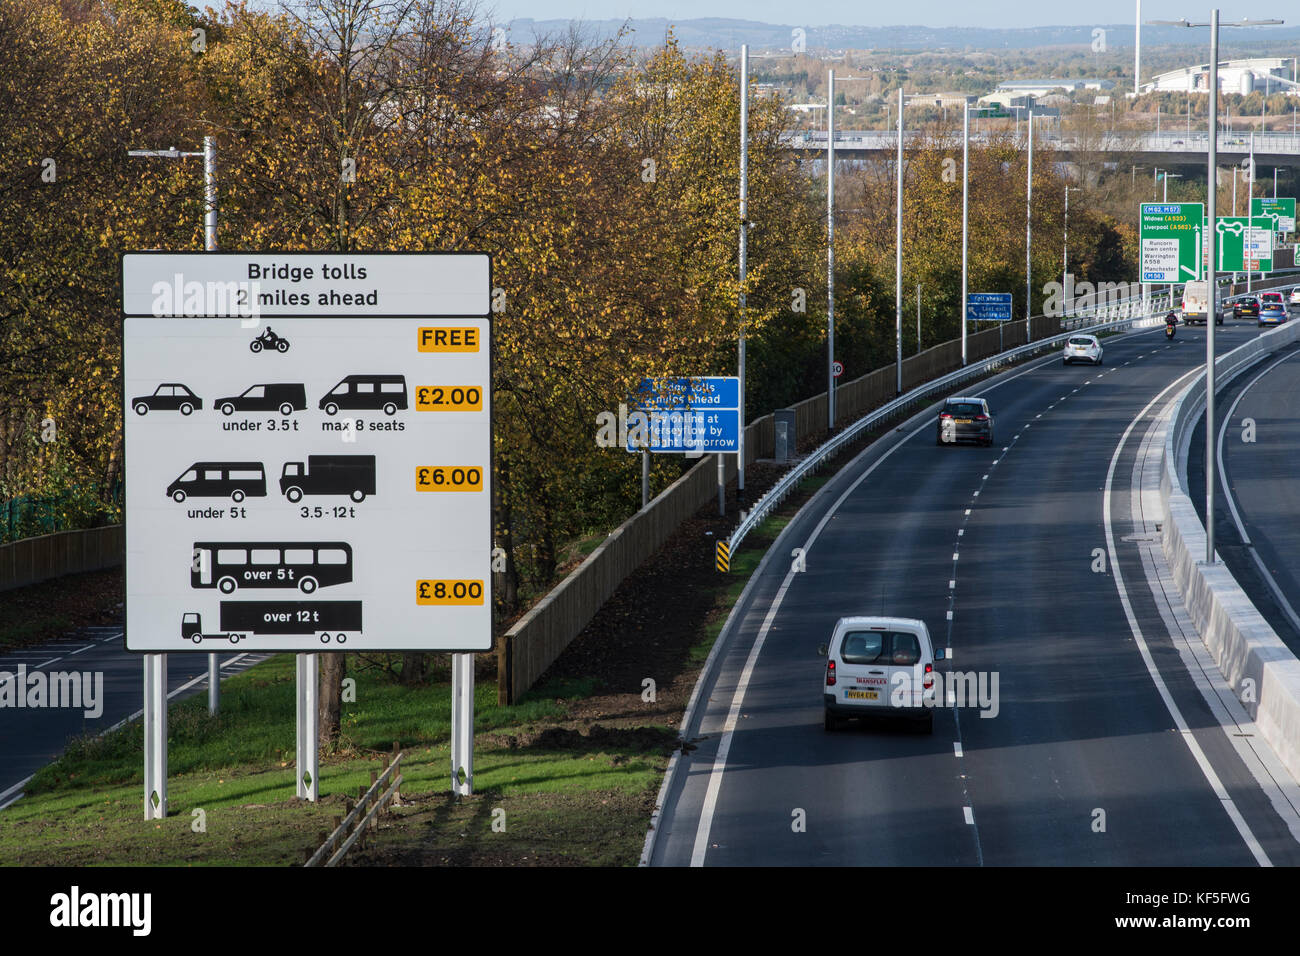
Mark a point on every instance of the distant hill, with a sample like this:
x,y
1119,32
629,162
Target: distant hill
x,y
729,34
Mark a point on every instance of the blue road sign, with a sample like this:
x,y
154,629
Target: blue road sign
x,y
688,393
988,307
675,415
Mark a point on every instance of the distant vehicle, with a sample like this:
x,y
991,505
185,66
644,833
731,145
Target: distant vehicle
x,y
220,479
192,630
331,620
269,341
306,566
880,667
962,419
1295,295
1247,308
1272,309
351,475
168,397
1197,304
367,393
286,399
1081,348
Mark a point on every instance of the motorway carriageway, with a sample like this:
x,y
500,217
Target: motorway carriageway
x,y
1115,743
1257,510
31,738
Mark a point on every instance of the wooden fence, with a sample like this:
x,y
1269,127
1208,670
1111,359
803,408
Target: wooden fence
x,y
32,560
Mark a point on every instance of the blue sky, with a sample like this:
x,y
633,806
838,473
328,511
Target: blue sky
x,y
934,13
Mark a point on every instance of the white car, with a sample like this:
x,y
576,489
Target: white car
x,y
1295,295
880,667
1081,348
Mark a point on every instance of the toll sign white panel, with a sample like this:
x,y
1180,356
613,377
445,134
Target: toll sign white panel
x,y
308,484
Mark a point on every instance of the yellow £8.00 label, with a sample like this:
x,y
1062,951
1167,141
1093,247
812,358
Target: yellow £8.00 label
x,y
449,592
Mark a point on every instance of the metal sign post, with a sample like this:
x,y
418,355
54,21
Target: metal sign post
x,y
155,736
307,767
462,724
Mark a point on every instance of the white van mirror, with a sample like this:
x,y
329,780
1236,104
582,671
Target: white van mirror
x,y
821,650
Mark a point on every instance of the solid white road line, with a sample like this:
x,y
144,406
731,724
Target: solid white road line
x,y
1139,639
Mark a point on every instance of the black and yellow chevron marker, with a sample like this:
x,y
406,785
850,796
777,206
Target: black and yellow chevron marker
x,y
724,556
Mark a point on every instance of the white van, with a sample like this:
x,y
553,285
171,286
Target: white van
x,y
1196,304
880,667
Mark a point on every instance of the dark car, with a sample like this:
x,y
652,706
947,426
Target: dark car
x,y
964,419
286,399
1247,308
168,397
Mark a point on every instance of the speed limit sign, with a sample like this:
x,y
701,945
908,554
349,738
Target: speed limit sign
x,y
837,369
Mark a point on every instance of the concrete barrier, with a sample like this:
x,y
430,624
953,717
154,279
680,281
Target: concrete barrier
x,y
33,560
1243,644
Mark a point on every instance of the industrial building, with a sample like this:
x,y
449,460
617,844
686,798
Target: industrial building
x,y
1265,74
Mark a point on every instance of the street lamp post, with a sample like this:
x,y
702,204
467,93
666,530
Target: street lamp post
x,y
830,245
965,194
1065,237
744,248
209,154
830,250
1211,241
1029,230
898,257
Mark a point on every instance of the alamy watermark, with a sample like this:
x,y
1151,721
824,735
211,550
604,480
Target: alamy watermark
x,y
78,690
1071,298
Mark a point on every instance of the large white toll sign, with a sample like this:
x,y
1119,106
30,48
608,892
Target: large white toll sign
x,y
310,483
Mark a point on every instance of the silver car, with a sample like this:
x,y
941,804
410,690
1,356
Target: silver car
x,y
1081,348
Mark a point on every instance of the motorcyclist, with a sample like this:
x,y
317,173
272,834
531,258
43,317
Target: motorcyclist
x,y
1171,322
270,336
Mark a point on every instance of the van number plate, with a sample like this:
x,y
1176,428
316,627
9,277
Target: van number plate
x,y
861,695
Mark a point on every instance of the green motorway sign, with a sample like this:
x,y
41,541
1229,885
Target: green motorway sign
x,y
1169,235
1281,210
1241,247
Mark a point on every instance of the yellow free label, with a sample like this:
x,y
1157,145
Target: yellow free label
x,y
448,398
448,478
447,339
449,592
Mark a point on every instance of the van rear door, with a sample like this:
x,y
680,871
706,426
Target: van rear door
x,y
884,667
